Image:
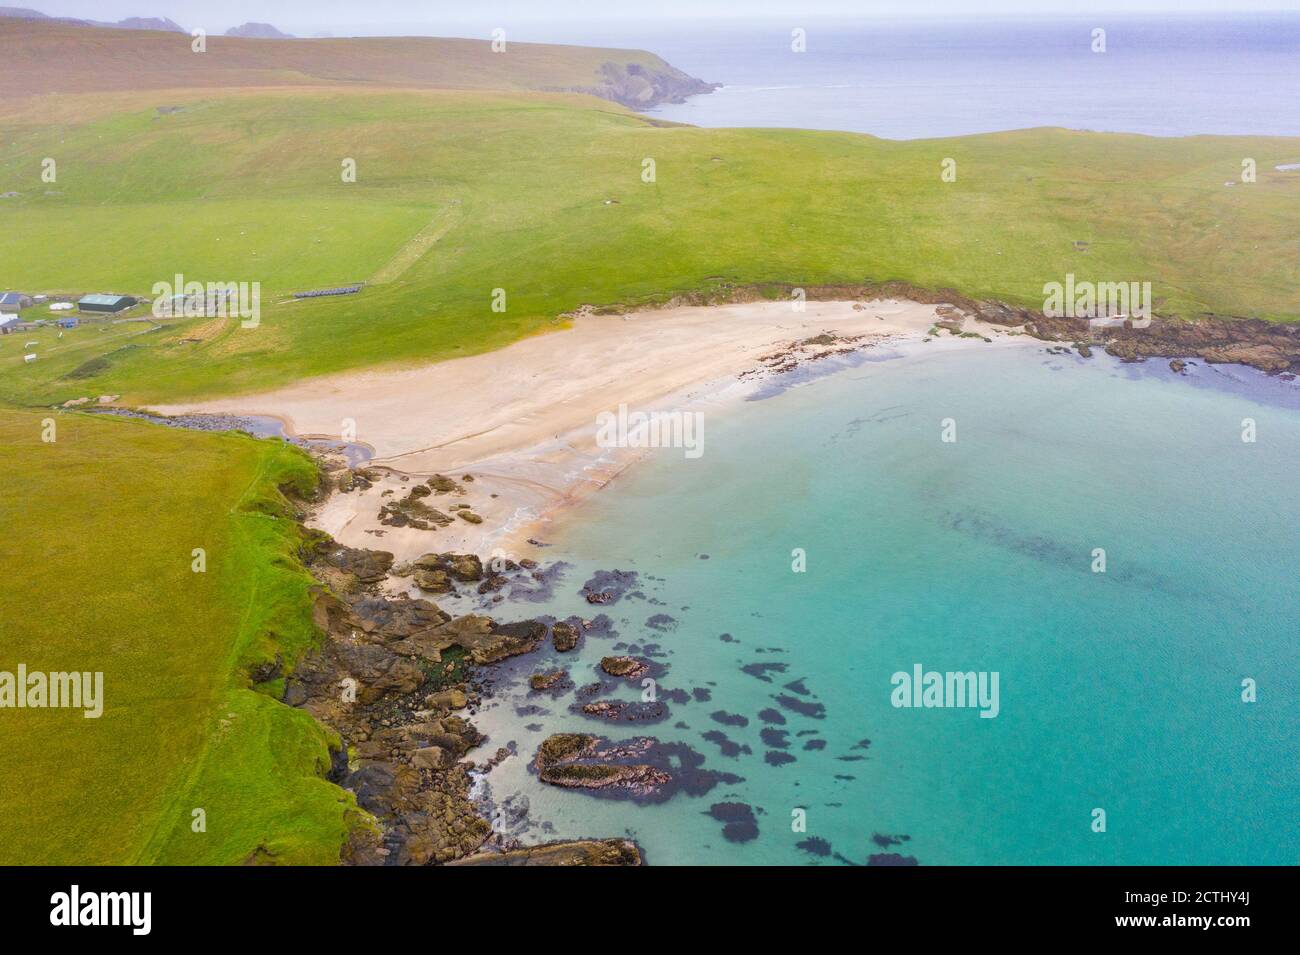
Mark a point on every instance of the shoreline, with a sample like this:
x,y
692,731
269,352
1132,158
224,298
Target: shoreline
x,y
451,738
527,441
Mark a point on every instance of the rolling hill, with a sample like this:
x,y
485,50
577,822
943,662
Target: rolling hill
x,y
459,193
48,57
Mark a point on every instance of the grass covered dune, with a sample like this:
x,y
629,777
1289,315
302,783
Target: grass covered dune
x,y
460,193
100,579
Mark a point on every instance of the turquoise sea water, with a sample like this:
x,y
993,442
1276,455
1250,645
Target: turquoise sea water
x,y
1119,691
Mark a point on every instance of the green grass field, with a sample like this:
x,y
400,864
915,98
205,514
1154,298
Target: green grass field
x,y
101,580
460,193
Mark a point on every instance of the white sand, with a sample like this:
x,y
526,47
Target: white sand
x,y
522,420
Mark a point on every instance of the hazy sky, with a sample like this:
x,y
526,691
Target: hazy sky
x,y
426,15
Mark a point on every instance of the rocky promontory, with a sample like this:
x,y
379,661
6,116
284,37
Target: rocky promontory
x,y
637,86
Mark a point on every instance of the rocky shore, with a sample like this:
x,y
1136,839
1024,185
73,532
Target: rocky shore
x,y
398,679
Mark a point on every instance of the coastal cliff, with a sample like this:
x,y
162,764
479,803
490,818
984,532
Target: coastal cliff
x,y
640,87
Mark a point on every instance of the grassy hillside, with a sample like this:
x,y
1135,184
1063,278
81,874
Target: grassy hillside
x,y
110,513
460,193
61,58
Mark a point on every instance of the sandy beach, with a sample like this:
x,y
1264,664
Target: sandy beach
x,y
522,420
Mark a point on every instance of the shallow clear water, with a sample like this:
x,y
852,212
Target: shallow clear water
x,y
1119,691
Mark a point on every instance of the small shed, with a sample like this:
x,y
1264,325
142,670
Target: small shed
x,y
9,323
105,303
12,302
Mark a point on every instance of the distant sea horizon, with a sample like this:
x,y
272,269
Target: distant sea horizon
x,y
1160,75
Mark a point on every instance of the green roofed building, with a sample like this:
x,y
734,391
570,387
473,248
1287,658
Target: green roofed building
x,y
105,303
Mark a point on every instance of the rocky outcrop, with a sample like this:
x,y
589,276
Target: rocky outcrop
x,y
548,680
629,668
392,677
638,86
643,769
583,852
564,636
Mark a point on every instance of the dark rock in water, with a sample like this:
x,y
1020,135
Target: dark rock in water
x,y
797,686
629,668
608,586
727,638
701,694
775,738
642,769
675,695
540,585
662,622
772,716
815,711
727,746
814,744
891,858
493,583
564,636
862,744
1177,365
623,711
815,846
729,719
761,670
885,841
599,626
606,852
850,759
588,690
738,818
776,758
546,681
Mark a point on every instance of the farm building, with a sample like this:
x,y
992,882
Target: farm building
x,y
105,303
11,302
9,323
